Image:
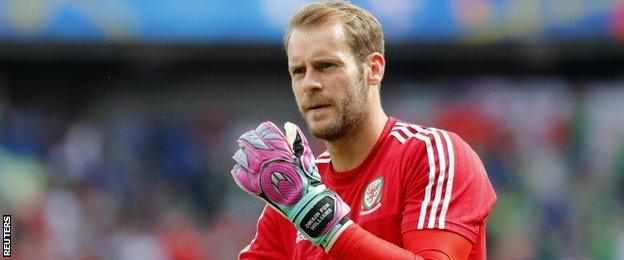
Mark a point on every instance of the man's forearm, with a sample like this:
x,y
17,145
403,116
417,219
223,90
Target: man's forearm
x,y
357,243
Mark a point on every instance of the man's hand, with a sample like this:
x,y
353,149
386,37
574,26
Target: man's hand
x,y
280,170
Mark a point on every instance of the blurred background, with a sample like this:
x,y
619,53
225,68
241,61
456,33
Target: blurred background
x,y
118,118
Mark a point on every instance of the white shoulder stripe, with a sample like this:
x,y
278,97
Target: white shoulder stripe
x,y
442,172
398,136
442,175
449,184
399,123
432,170
403,130
323,158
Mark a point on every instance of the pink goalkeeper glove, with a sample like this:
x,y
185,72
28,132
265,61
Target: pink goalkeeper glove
x,y
281,171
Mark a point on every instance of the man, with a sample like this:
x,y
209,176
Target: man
x,y
385,189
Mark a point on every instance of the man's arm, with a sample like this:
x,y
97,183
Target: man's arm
x,y
437,244
357,243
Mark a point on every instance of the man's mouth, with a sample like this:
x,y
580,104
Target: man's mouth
x,y
317,107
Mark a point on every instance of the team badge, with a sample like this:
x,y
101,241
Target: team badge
x,y
372,196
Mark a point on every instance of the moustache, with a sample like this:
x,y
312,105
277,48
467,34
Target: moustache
x,y
316,101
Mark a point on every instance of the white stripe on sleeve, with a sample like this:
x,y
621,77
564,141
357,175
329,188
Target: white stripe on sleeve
x,y
449,181
442,171
432,170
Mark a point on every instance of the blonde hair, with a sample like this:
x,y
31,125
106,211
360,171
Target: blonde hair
x,y
363,31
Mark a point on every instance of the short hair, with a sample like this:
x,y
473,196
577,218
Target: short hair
x,y
362,30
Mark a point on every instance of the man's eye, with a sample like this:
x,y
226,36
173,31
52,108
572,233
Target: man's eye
x,y
298,71
326,65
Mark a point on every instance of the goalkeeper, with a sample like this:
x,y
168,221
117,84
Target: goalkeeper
x,y
385,188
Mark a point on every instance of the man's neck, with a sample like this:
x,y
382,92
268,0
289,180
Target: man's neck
x,y
350,151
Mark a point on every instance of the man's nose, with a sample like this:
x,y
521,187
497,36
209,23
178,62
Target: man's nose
x,y
311,81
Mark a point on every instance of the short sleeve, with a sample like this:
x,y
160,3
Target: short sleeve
x,y
446,186
268,241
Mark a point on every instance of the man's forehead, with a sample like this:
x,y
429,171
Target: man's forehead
x,y
319,41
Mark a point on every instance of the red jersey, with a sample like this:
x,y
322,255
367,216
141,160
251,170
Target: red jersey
x,y
414,178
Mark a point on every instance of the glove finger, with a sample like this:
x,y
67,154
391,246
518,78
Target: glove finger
x,y
241,158
245,180
252,138
304,142
301,147
273,136
262,144
256,152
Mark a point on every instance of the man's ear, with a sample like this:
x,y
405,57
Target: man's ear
x,y
376,64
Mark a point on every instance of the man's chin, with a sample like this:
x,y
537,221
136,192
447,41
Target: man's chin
x,y
317,123
316,128
324,130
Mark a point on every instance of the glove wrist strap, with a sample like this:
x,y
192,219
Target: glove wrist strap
x,y
321,216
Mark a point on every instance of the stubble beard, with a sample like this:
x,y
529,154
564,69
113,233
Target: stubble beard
x,y
353,110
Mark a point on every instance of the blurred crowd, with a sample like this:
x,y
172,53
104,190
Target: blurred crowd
x,y
117,178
